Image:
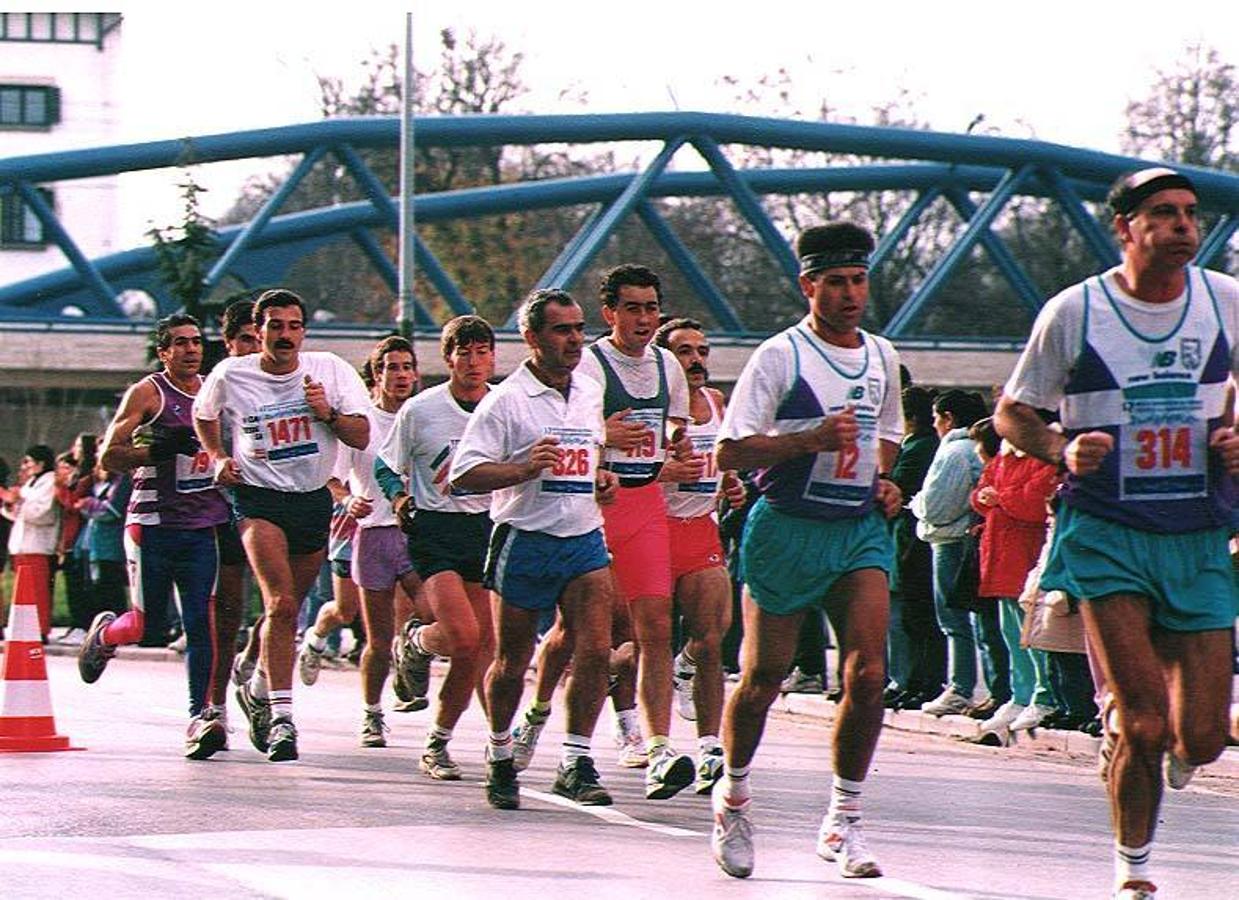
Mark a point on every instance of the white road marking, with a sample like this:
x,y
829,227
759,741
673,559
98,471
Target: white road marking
x,y
900,888
611,815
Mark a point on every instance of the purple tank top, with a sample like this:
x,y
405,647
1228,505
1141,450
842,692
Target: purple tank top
x,y
179,492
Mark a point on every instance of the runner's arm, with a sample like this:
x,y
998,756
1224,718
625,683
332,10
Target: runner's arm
x,y
117,451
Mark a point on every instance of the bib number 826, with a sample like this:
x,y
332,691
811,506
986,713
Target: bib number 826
x,y
574,461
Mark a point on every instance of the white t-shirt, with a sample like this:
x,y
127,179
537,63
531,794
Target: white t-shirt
x,y
420,447
517,413
276,440
1044,367
356,468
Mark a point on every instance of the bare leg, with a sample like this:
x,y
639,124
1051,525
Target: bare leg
x,y
705,601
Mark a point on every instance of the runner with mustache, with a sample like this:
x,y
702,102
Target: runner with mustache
x,y
289,412
702,585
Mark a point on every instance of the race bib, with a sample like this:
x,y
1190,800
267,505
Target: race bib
x,y
574,472
194,473
703,445
1160,461
643,459
284,431
845,477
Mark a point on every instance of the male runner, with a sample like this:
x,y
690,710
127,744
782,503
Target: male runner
x,y
534,442
817,412
288,412
380,554
1136,360
170,529
698,568
449,530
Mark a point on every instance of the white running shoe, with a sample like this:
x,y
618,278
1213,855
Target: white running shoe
x,y
1178,773
709,770
438,763
1002,718
682,681
309,662
242,669
797,682
1138,890
843,843
373,729
948,703
632,753
732,837
525,738
1032,717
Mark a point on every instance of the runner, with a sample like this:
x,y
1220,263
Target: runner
x,y
817,411
1137,360
288,412
380,557
448,529
170,528
698,569
533,441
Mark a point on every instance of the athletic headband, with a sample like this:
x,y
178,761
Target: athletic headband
x,y
833,259
1133,189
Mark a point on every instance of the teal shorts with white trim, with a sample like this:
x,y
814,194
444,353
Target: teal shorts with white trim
x,y
790,562
1187,577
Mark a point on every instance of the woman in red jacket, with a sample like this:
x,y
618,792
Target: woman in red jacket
x,y
1011,496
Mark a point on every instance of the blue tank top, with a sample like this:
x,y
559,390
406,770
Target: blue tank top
x,y
1159,397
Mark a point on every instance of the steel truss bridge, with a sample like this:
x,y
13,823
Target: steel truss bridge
x,y
931,166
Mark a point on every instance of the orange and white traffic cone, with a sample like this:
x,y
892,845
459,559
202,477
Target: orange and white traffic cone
x,y
26,722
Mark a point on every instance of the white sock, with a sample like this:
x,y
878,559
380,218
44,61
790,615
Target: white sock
x,y
281,704
374,707
316,642
438,735
575,746
258,685
500,745
627,721
735,785
1131,863
844,800
708,743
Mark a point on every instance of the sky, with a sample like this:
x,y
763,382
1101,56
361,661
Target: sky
x,y
1056,70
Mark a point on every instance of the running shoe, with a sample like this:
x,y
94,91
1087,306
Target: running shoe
x,y
93,655
1032,717
682,681
242,669
417,665
374,729
73,637
1136,890
632,753
408,683
1178,773
732,838
282,741
417,704
437,762
207,734
709,770
843,843
525,738
797,682
1000,722
503,790
258,712
948,703
668,774
309,662
579,783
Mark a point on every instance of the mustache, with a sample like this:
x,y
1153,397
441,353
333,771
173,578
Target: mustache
x,y
282,344
698,369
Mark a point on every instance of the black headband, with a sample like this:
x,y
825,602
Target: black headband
x,y
833,259
1127,195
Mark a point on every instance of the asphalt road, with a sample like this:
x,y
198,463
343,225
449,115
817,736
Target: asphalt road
x,y
129,817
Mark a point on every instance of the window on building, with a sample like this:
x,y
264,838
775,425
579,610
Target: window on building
x,y
23,105
19,226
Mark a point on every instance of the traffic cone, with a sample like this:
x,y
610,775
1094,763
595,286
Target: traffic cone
x,y
26,722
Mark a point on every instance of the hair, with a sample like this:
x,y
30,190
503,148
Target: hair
x,y
43,454
90,453
983,432
532,314
844,242
463,331
236,316
276,297
918,404
629,274
662,337
905,377
393,343
163,328
965,407
367,375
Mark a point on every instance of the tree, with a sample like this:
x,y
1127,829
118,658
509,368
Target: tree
x,y
1191,113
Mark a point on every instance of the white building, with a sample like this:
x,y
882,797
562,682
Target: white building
x,y
58,91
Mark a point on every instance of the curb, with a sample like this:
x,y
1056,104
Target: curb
x,y
961,727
